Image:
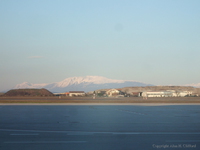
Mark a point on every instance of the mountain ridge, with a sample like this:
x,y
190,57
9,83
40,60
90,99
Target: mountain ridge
x,y
87,83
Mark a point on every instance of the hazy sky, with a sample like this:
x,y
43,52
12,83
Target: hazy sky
x,y
152,41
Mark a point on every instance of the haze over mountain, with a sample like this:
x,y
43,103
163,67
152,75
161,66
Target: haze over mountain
x,y
88,83
197,85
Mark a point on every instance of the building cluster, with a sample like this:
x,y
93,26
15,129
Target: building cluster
x,y
72,94
168,93
120,93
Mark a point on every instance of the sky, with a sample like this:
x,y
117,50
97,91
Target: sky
x,y
151,41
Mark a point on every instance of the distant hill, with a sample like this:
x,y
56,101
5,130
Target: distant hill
x,y
28,92
88,83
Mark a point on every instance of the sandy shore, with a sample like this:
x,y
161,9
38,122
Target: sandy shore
x,y
89,100
101,104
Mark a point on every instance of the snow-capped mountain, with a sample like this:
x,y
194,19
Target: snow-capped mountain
x,y
88,83
87,79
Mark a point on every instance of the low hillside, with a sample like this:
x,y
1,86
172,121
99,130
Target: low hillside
x,y
28,92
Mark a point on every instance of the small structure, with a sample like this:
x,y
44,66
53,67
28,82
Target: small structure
x,y
185,93
100,93
76,93
136,94
59,94
114,93
193,95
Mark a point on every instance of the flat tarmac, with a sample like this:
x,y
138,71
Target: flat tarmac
x,y
107,127
89,100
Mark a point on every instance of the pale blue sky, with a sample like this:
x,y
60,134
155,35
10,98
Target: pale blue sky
x,y
152,41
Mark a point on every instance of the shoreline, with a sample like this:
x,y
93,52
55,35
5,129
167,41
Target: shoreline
x,y
98,104
99,100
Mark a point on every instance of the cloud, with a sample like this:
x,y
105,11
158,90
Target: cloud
x,y
35,57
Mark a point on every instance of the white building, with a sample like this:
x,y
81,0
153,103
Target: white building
x,y
157,94
76,93
184,93
113,92
169,93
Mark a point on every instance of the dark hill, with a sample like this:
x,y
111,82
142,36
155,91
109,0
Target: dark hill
x,y
28,92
